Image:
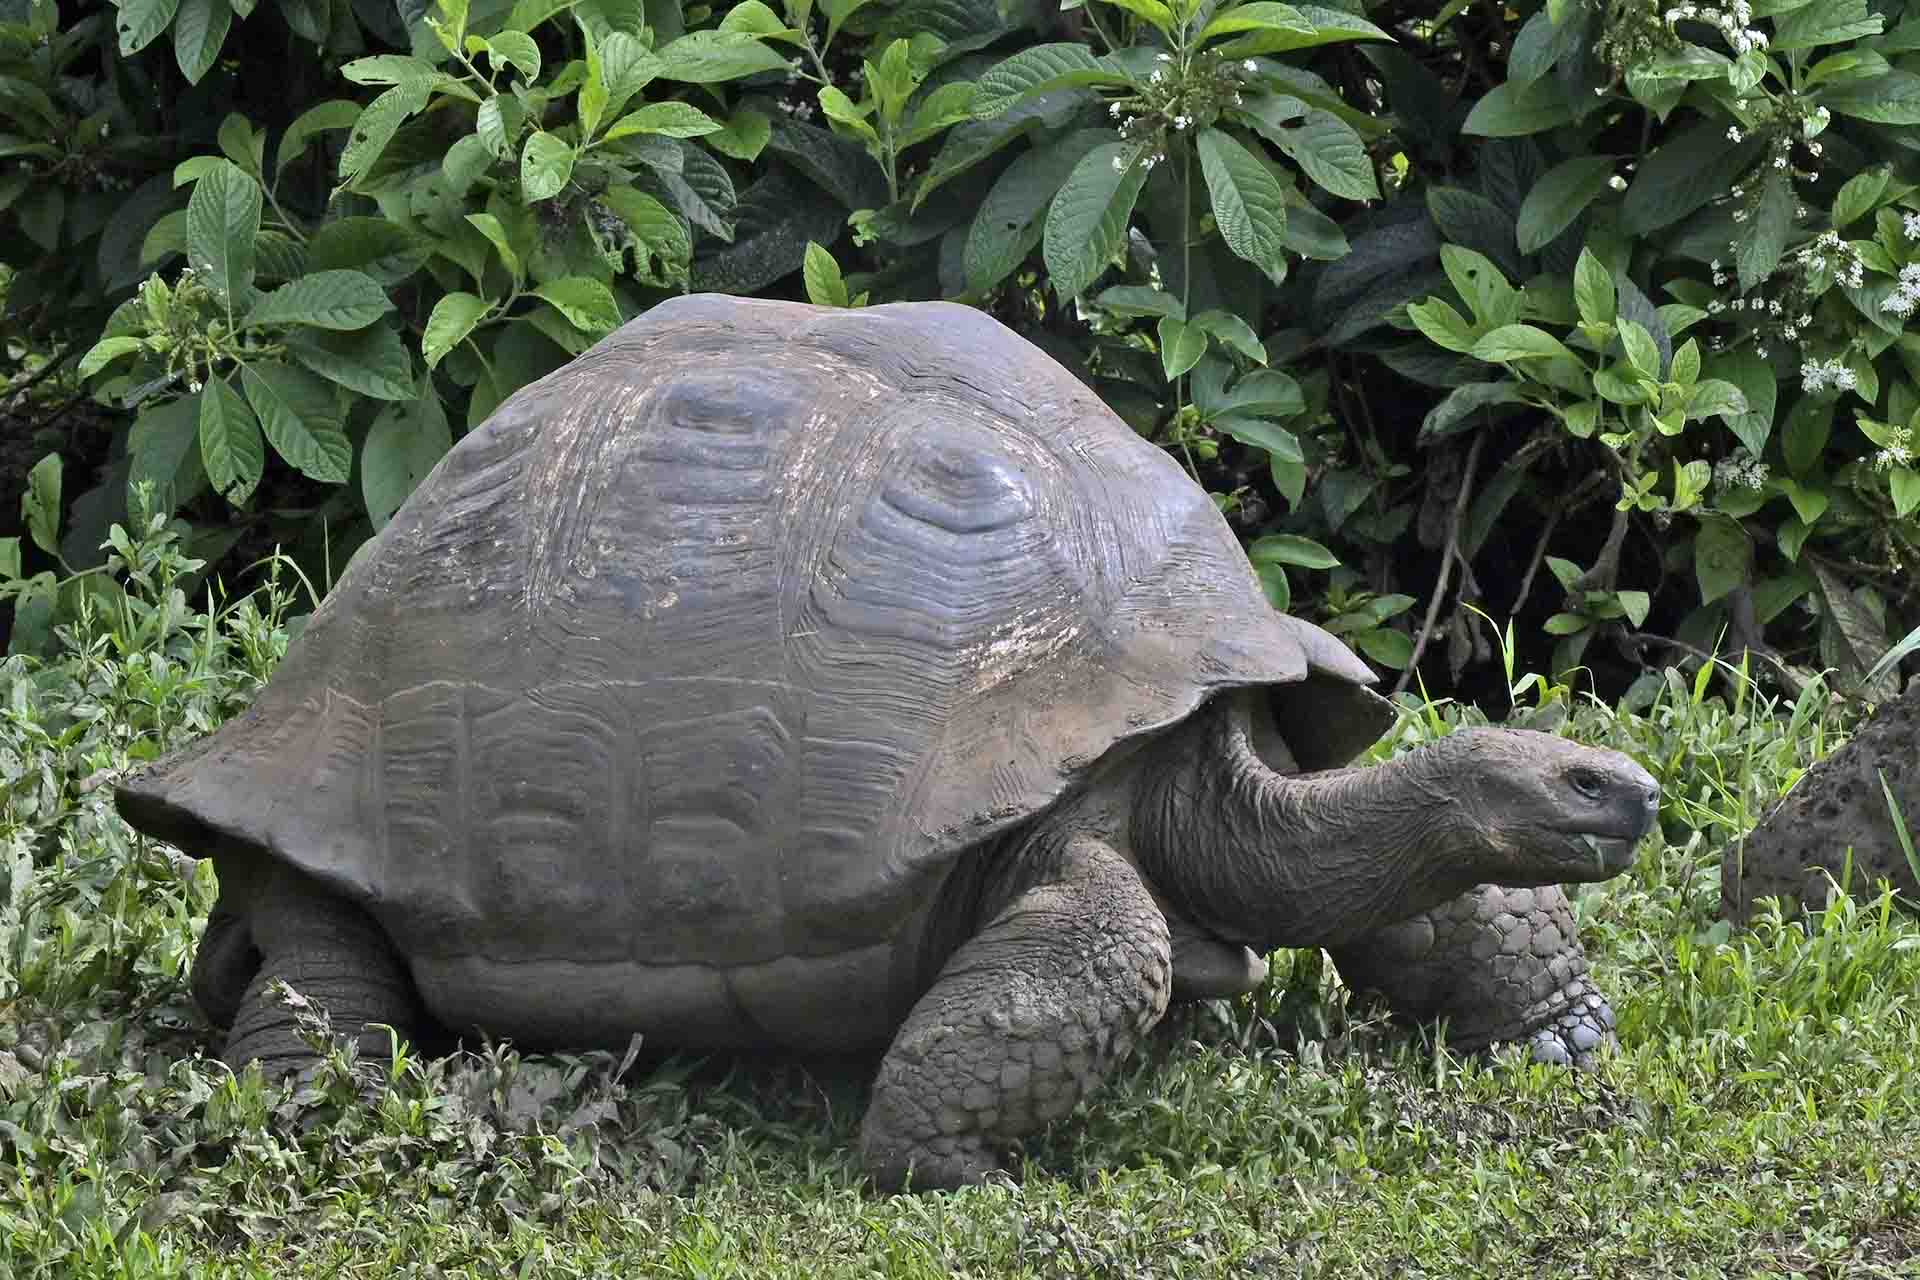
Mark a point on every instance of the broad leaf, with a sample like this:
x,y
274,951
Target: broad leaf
x,y
1560,197
587,304
1249,206
222,219
230,443
324,300
1035,70
296,410
546,163
453,318
1087,221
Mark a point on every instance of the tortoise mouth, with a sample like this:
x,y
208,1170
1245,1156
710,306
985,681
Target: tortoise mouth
x,y
1592,855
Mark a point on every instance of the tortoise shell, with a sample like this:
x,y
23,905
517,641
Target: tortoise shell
x,y
717,646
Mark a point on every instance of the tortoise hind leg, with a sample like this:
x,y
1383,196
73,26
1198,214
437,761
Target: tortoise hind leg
x,y
1024,1020
333,954
1498,965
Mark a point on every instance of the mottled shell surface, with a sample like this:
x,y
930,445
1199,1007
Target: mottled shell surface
x,y
718,645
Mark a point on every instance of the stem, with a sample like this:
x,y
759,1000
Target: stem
x,y
1446,561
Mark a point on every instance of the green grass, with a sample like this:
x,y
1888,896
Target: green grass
x,y
1761,1118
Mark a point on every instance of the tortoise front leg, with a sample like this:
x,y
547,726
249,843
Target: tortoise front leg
x,y
1498,964
329,951
1025,1019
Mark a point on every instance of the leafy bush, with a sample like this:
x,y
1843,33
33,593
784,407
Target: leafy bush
x,y
1551,310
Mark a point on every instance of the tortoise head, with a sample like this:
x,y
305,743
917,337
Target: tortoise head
x,y
1546,810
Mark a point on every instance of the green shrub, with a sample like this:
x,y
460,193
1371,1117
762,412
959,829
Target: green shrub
x,y
1587,313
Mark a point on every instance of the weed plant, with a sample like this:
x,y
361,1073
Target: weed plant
x,y
1760,1117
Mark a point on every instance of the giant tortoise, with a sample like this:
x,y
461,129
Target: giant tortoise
x,y
852,679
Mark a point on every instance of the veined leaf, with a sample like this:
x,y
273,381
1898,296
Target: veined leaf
x,y
1087,221
453,318
1248,203
1035,70
296,410
324,300
230,444
223,217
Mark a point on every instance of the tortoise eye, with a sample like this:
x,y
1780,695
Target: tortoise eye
x,y
1588,782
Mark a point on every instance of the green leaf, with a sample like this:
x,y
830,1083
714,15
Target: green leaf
x,y
1808,504
821,275
1716,398
1255,16
1273,583
587,304
1231,331
1824,22
1321,26
1087,221
1385,646
848,114
1754,377
1249,206
1593,291
40,504
1859,195
1904,485
1511,110
1466,406
1566,624
515,49
1137,300
1519,342
1763,241
708,57
453,318
388,68
324,300
1329,151
384,251
1480,284
1443,326
376,126
223,216
673,119
105,352
1686,172
1722,557
370,361
296,410
1035,70
1641,352
744,136
199,29
1562,195
402,446
230,443
662,235
337,114
1287,548
1009,222
546,163
1804,434
1181,346
1890,99
139,21
496,233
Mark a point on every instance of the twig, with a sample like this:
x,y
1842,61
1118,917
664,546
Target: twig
x,y
39,375
1638,640
1539,557
1446,561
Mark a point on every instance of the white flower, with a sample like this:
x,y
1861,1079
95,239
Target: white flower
x,y
1119,165
1181,122
1910,276
1816,148
1790,333
1813,377
1899,303
1115,111
1617,182
1805,321
1249,65
1165,57
1733,133
1156,77
1844,378
1911,225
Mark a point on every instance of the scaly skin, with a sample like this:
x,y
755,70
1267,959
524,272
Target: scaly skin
x,y
1025,1019
1496,965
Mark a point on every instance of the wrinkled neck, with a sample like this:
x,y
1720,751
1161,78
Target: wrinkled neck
x,y
1272,859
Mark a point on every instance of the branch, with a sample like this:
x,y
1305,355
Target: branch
x,y
1447,558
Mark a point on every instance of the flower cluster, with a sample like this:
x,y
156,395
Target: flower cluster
x,y
1906,292
1179,96
1741,471
1897,452
1831,253
1820,375
1732,22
